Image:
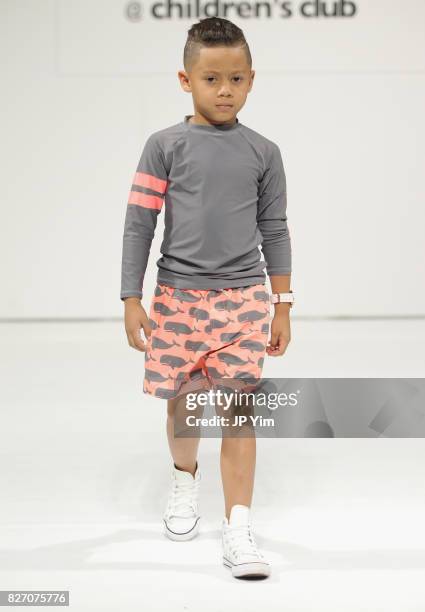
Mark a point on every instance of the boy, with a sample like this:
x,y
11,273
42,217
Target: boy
x,y
224,190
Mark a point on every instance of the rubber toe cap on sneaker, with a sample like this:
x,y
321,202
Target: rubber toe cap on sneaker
x,y
181,528
255,570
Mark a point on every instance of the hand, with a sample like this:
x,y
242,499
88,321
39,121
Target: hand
x,y
280,333
136,319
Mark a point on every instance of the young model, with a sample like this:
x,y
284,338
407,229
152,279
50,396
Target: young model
x,y
223,189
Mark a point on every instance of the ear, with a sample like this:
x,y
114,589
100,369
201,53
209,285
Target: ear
x,y
184,80
251,81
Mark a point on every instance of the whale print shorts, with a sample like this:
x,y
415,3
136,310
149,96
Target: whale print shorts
x,y
200,335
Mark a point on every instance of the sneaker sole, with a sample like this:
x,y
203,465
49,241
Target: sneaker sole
x,y
254,569
181,537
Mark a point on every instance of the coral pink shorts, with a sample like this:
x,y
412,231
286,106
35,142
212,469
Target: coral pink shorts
x,y
201,335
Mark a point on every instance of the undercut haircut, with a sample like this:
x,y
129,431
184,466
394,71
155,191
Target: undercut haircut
x,y
212,32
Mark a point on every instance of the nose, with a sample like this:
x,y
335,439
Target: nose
x,y
224,91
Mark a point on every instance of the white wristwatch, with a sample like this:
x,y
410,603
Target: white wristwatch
x,y
276,298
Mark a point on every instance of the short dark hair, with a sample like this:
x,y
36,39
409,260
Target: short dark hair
x,y
213,32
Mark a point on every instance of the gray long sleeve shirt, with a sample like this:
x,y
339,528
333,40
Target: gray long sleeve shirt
x,y
223,190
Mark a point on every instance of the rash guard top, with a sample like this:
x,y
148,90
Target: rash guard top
x,y
223,190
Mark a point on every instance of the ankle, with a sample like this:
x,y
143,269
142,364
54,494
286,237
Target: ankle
x,y
228,510
187,468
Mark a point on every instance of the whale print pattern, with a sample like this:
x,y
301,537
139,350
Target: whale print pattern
x,y
201,335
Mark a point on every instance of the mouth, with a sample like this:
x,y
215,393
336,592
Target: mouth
x,y
224,106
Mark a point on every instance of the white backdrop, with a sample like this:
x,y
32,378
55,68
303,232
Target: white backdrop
x,y
83,86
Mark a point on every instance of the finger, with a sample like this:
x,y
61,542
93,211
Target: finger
x,y
137,340
147,330
283,343
274,340
274,348
279,347
273,351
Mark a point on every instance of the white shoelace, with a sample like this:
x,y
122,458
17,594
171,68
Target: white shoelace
x,y
241,541
182,501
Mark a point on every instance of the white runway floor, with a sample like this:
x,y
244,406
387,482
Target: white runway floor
x,y
85,471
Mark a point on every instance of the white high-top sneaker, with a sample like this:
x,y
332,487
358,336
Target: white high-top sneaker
x,y
240,551
181,517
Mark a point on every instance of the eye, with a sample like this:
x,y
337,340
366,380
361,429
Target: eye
x,y
210,79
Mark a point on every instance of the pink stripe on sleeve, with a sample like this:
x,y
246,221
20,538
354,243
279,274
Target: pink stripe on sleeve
x,y
145,200
141,179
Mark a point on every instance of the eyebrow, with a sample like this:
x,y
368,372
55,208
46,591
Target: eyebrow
x,y
218,72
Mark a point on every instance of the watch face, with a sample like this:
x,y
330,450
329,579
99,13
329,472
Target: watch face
x,y
286,298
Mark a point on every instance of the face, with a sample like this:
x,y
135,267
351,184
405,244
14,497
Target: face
x,y
219,82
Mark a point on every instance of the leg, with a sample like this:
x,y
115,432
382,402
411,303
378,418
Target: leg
x,y
181,517
237,463
184,450
240,552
